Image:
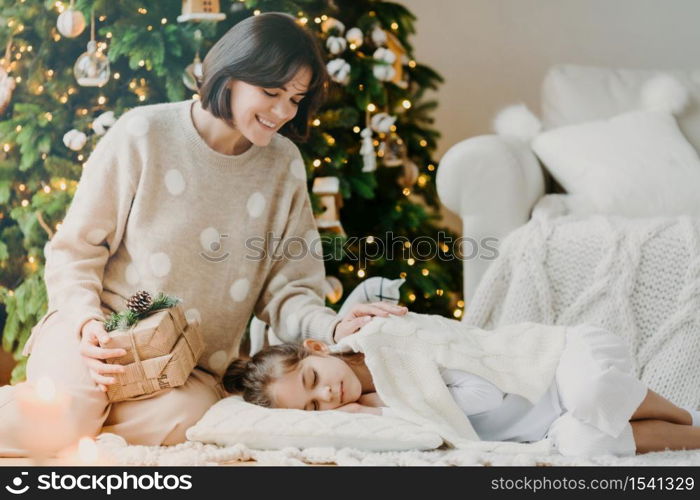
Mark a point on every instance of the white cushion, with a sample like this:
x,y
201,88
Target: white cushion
x,y
232,421
635,164
575,94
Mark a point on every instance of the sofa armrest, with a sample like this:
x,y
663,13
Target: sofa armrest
x,y
492,182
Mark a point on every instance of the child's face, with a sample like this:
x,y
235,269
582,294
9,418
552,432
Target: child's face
x,y
319,382
259,113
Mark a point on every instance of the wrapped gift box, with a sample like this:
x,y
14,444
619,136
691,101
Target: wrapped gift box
x,y
161,352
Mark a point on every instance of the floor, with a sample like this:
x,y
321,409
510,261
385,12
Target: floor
x,y
20,462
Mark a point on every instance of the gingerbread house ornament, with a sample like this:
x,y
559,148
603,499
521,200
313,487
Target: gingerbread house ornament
x,y
201,10
328,189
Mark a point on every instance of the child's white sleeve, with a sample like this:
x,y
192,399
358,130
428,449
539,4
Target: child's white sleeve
x,y
473,394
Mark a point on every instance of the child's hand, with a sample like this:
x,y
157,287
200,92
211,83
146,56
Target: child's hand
x,y
359,408
360,314
371,399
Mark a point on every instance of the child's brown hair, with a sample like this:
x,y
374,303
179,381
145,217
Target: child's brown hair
x,y
252,377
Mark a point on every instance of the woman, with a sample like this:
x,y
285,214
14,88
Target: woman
x,y
178,197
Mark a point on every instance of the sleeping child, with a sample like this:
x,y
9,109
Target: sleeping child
x,y
523,383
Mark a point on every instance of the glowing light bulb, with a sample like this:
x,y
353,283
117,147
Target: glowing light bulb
x,y
411,261
371,107
406,103
425,272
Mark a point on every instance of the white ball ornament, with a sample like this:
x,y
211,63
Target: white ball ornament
x,y
102,123
383,72
333,26
71,23
339,70
379,36
384,55
74,139
336,44
382,122
355,36
91,69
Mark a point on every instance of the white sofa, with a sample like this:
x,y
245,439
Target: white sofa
x,y
494,182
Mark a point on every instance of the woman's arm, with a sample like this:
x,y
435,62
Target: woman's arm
x,y
292,300
93,227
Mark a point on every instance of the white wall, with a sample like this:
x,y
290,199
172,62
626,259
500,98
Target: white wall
x,y
493,53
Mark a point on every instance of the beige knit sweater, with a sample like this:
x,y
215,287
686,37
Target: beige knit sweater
x,y
158,209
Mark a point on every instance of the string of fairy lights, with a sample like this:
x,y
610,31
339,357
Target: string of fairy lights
x,y
22,52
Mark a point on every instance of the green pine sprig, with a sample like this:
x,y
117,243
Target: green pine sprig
x,y
126,319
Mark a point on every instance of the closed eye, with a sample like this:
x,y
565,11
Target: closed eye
x,y
271,94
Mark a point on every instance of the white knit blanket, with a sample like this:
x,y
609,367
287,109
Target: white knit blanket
x,y
639,278
114,450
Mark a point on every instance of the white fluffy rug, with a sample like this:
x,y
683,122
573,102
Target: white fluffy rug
x,y
194,453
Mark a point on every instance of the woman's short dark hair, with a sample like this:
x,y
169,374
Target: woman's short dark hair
x,y
266,50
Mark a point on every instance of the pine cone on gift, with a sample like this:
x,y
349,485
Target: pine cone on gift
x,y
140,302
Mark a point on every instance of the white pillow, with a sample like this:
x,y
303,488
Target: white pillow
x,y
634,164
232,421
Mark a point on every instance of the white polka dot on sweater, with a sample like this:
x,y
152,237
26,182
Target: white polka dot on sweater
x,y
239,290
256,204
160,264
210,239
96,236
174,181
132,274
217,361
278,282
193,316
297,169
138,126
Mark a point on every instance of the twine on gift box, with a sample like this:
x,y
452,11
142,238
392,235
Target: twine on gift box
x,y
137,359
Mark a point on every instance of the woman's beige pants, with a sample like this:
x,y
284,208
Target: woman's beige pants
x,y
158,419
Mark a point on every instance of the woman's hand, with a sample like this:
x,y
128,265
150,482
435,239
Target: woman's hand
x,y
360,314
94,338
359,408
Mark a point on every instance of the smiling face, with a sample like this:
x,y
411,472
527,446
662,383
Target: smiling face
x,y
259,112
319,382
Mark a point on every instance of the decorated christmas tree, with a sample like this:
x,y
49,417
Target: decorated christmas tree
x,y
71,68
